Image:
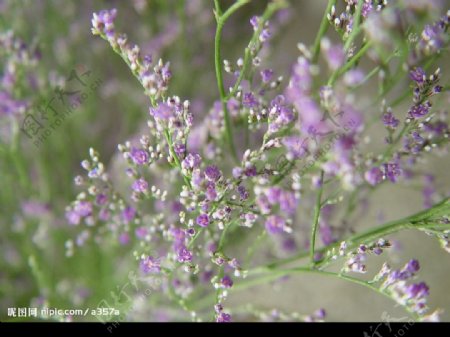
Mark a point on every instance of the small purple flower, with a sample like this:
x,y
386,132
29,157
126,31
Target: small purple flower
x,y
266,75
366,9
390,120
150,265
243,193
296,146
101,199
418,75
141,232
412,266
226,282
191,161
128,214
184,255
140,186
180,149
420,110
392,171
211,193
250,171
334,54
273,195
139,156
223,318
212,173
377,251
203,220
275,224
374,176
265,35
417,290
263,204
354,77
237,172
162,111
249,100
254,21
83,208
104,214
73,217
288,202
103,22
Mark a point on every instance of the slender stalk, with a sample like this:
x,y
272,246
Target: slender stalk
x,y
356,28
322,31
414,221
316,220
337,73
270,10
221,19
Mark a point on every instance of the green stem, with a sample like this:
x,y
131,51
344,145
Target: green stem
x,y
221,19
322,31
278,273
355,29
316,220
270,10
414,221
336,74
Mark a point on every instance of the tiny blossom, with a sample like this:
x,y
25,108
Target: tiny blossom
x,y
150,265
83,208
226,282
392,171
101,199
212,173
374,176
223,318
390,120
141,232
275,224
354,77
296,146
249,100
139,156
335,55
128,214
243,193
266,75
418,75
184,255
254,21
191,161
162,111
418,111
250,171
73,217
203,220
413,266
140,186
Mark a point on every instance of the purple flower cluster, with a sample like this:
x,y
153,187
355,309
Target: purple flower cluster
x,y
397,283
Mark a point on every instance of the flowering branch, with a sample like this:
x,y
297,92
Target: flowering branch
x,y
316,218
221,19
